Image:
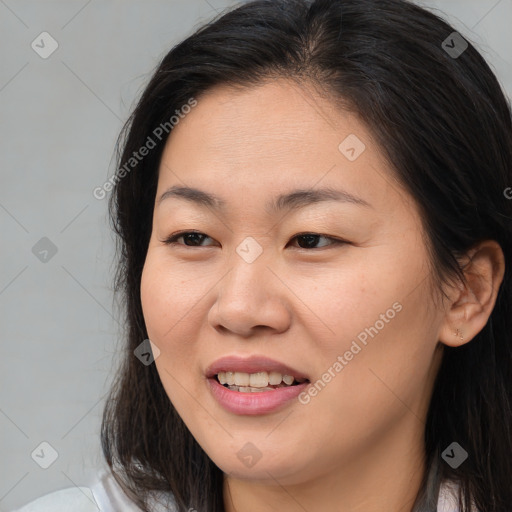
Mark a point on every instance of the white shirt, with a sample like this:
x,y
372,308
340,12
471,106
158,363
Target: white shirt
x,y
105,495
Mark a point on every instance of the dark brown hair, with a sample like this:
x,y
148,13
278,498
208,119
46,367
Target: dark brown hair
x,y
445,126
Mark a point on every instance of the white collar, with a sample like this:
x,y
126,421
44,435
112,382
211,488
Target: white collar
x,y
448,497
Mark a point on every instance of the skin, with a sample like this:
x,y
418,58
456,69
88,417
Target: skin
x,y
358,444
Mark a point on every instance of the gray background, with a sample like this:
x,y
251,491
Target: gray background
x,y
60,117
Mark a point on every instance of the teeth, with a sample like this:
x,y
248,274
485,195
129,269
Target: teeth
x,y
259,380
248,389
241,379
274,378
288,379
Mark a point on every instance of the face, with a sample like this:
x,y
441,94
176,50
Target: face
x,y
331,285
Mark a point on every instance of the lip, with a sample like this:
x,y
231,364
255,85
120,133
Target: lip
x,y
257,403
252,404
251,364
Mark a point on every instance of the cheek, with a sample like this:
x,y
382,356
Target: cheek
x,y
168,302
168,294
353,302
386,363
383,327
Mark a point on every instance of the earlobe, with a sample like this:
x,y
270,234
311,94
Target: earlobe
x,y
472,302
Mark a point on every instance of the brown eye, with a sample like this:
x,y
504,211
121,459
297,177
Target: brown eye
x,y
190,238
304,240
310,240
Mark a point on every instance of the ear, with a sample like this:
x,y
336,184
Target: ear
x,y
471,303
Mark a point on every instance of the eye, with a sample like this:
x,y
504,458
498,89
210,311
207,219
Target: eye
x,y
308,240
191,238
305,240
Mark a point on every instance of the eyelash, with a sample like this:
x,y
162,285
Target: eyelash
x,y
171,240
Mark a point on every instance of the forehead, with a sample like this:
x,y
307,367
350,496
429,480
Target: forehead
x,y
274,120
265,140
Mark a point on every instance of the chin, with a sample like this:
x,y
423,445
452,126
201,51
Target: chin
x,y
249,463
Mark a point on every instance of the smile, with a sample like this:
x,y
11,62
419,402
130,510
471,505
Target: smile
x,y
256,382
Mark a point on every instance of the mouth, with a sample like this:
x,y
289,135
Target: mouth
x,y
257,382
254,374
255,385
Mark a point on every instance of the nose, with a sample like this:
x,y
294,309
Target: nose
x,y
251,299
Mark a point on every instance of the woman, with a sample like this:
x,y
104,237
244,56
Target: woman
x,y
314,228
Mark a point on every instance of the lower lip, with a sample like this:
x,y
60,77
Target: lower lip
x,y
260,402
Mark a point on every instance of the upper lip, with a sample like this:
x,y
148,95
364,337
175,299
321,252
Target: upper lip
x,y
252,364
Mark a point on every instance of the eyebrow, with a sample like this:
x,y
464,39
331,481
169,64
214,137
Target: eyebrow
x,y
293,200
